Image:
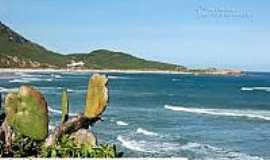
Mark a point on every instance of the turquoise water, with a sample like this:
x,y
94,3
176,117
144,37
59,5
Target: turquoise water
x,y
162,115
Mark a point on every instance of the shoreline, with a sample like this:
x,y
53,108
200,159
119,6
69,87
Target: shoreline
x,y
48,70
220,72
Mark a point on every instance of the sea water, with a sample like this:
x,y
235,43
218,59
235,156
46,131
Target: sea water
x,y
169,115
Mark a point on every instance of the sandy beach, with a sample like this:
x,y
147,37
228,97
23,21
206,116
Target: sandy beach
x,y
2,70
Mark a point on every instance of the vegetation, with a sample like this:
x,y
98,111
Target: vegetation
x,y
24,130
18,52
67,148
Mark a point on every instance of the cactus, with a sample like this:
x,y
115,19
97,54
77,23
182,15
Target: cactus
x,y
97,96
27,112
64,106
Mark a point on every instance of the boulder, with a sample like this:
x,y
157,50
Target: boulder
x,y
84,137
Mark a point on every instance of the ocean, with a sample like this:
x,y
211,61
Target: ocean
x,y
169,115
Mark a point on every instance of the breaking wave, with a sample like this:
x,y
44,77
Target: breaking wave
x,y
121,123
27,80
146,146
145,132
6,90
267,89
55,111
212,153
197,150
253,114
118,77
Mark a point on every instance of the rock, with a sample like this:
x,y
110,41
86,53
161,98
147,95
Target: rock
x,y
84,137
27,112
97,96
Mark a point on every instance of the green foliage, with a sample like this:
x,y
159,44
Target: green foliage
x,y
14,45
24,146
67,148
106,59
64,106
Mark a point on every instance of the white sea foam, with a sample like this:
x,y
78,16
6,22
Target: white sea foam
x,y
212,153
146,132
70,90
56,76
267,89
27,80
118,77
254,114
121,123
6,90
147,146
203,151
55,111
133,145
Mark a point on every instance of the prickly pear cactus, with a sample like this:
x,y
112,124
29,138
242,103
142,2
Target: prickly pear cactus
x,y
27,112
97,96
64,106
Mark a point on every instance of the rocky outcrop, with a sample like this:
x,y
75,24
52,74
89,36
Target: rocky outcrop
x,y
84,137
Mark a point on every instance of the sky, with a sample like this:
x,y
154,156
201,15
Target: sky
x,y
194,33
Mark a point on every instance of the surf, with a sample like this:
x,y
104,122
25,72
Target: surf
x,y
266,89
121,123
146,132
55,111
253,114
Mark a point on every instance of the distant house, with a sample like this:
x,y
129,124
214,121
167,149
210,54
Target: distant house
x,y
75,64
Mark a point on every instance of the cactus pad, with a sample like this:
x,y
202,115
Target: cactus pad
x,y
97,96
27,112
64,106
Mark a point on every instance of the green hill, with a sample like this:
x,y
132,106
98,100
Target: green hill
x,y
18,52
105,59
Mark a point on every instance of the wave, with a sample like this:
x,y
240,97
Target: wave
x,y
27,80
201,151
146,146
267,89
174,79
145,132
254,114
55,111
56,76
133,145
6,90
121,123
118,77
211,153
